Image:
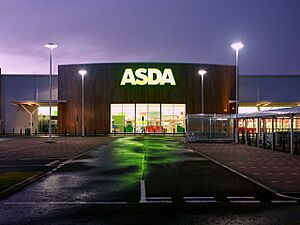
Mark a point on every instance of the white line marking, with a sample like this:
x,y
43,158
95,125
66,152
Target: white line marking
x,y
284,201
240,197
67,203
245,201
201,201
153,202
51,163
159,198
189,198
143,192
88,203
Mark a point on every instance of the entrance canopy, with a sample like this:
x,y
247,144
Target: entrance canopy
x,y
38,102
270,113
31,107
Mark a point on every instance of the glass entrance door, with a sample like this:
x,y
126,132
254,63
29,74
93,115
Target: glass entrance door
x,y
147,118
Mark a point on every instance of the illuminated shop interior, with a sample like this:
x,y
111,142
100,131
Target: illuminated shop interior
x,y
43,118
148,118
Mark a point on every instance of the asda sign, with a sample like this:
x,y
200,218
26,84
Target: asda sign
x,y
150,76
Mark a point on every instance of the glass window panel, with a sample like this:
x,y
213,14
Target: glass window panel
x,y
117,118
44,111
179,117
167,118
129,116
43,118
153,118
141,117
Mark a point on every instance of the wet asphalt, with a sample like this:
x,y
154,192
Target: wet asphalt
x,y
145,180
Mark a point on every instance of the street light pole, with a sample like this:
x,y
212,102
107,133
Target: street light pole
x,y
50,46
202,73
82,73
237,46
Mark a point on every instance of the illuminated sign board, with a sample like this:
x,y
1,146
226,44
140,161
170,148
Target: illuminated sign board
x,y
150,76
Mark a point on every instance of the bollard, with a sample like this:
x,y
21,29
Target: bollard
x,y
20,131
66,132
249,138
296,146
75,133
274,141
35,132
13,131
243,137
95,133
85,133
256,136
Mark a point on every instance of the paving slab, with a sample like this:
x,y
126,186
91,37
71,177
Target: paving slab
x,y
278,171
35,147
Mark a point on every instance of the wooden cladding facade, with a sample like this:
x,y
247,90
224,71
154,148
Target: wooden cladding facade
x,y
102,88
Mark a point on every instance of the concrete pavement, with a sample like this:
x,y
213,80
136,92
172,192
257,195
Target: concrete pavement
x,y
277,170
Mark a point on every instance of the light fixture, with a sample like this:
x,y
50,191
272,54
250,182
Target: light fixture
x,y
50,45
82,72
202,72
237,46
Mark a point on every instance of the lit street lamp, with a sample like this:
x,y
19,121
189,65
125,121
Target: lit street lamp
x,y
202,73
237,46
50,46
82,73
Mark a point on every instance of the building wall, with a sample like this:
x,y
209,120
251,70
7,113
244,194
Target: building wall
x,y
23,88
102,88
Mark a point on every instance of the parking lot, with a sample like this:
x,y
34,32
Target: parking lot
x,y
136,173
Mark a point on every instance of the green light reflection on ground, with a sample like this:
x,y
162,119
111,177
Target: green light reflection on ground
x,y
137,152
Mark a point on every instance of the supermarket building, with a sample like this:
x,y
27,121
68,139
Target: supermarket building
x,y
135,97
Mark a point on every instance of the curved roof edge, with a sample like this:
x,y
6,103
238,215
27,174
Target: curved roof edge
x,y
186,63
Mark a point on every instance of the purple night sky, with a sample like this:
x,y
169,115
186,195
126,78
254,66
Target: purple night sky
x,y
196,31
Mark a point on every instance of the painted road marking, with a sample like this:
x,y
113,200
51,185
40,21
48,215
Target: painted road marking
x,y
244,201
189,198
53,162
87,203
151,200
203,199
155,202
143,191
284,201
198,200
240,197
66,203
158,198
